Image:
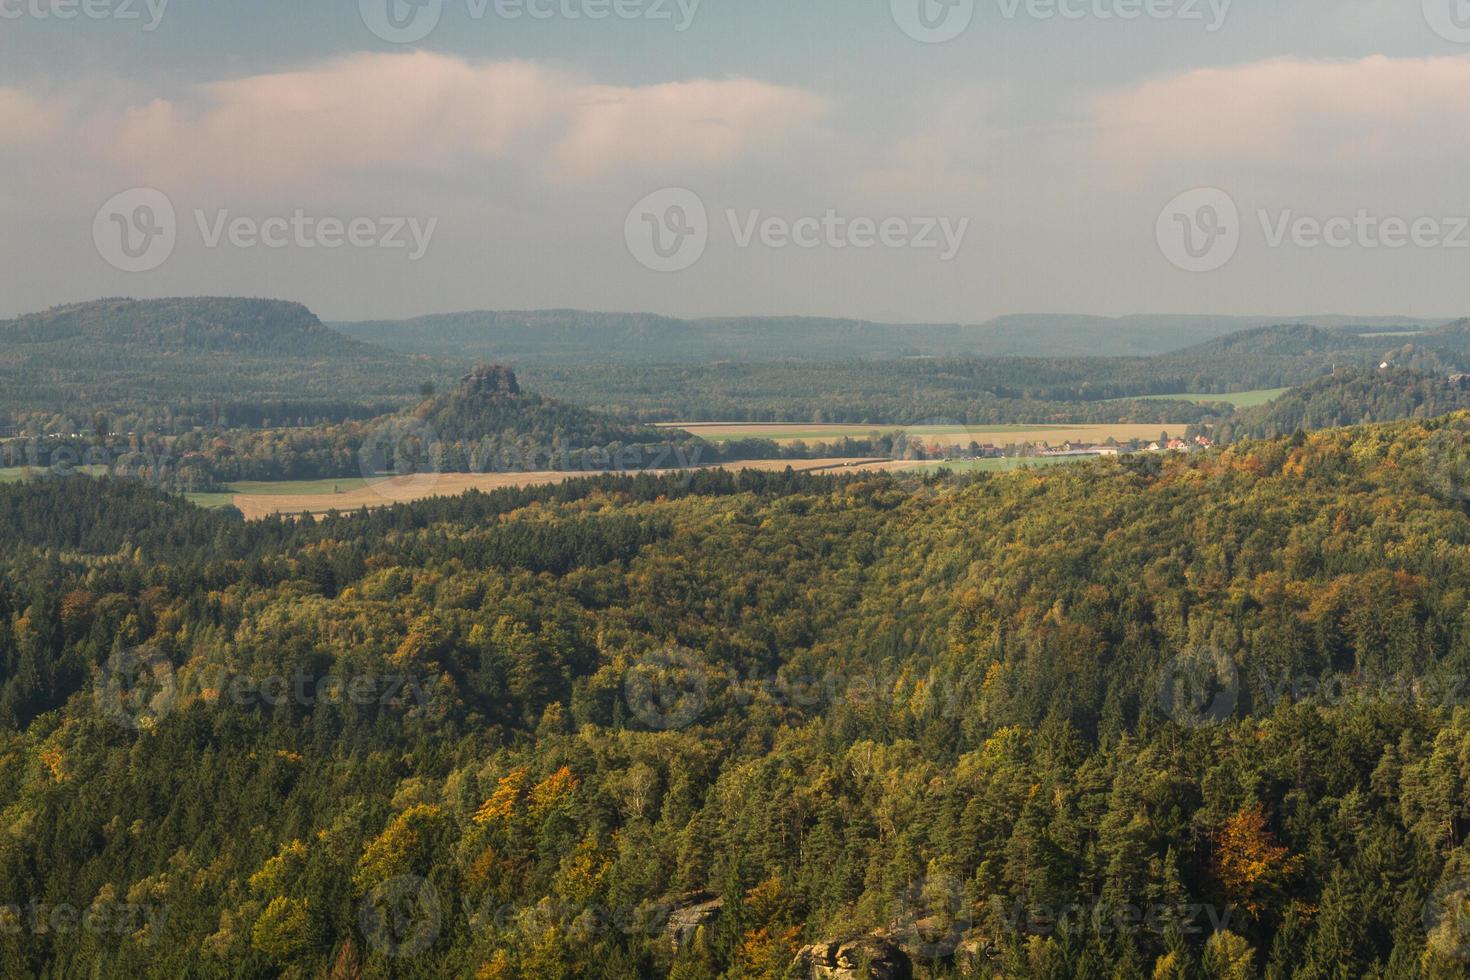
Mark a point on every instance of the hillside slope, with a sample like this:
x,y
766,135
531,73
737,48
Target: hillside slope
x,y
1354,397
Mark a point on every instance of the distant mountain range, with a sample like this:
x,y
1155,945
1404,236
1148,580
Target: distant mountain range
x,y
172,364
570,336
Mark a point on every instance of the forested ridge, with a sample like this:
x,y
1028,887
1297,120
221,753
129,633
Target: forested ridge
x,y
1225,692
169,367
1354,397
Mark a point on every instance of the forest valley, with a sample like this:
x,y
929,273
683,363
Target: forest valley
x,y
1187,717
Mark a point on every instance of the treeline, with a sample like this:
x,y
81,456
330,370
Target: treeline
x,y
1223,691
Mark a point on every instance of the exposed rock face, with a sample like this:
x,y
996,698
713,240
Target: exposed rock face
x,y
488,381
869,958
689,913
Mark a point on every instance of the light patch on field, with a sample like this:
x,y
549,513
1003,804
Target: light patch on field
x,y
287,498
950,435
1240,399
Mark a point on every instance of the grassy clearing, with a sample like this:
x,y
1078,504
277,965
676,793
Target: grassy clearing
x,y
210,501
280,488
14,474
1240,399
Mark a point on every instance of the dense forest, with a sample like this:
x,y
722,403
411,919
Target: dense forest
x,y
999,390
1187,717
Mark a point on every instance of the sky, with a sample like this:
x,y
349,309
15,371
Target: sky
x,y
896,160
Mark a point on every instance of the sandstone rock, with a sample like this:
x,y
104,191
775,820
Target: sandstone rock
x,y
689,913
869,958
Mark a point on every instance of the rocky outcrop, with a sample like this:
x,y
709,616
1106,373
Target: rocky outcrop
x,y
489,381
869,958
689,914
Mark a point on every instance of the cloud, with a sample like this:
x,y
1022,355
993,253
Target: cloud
x,y
1293,113
431,112
708,123
26,121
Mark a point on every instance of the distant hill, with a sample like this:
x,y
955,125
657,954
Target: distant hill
x,y
488,403
485,424
568,336
179,326
1294,340
180,362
